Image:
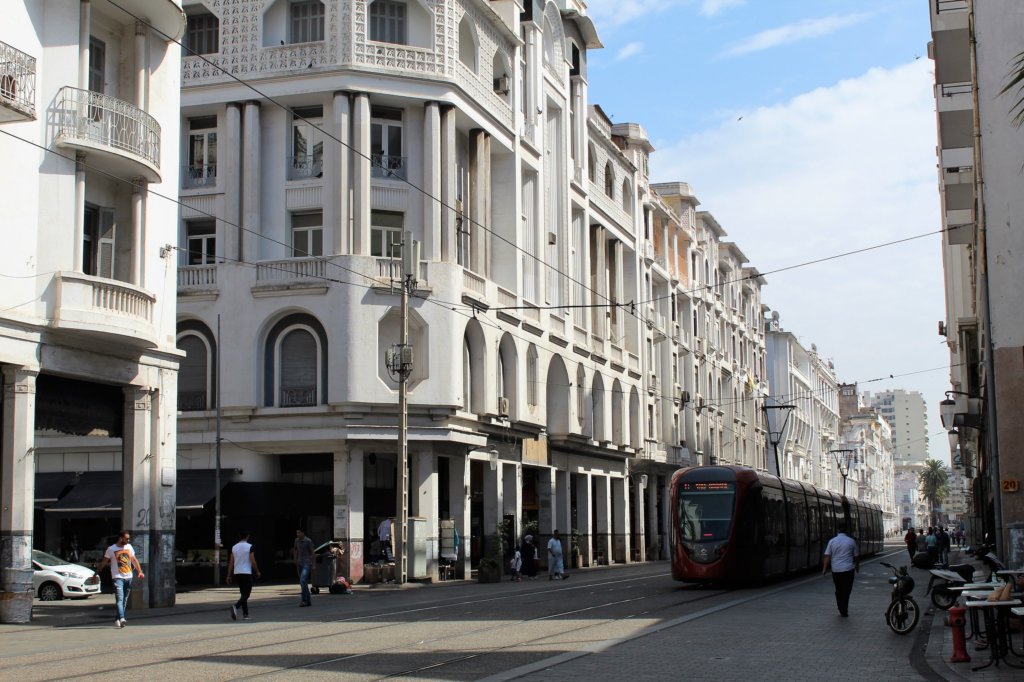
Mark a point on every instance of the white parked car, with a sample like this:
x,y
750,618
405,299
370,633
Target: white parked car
x,y
54,578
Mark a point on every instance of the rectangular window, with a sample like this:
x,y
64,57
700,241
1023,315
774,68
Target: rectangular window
x,y
307,234
307,157
202,152
307,22
386,234
97,64
387,22
201,237
98,242
202,33
386,158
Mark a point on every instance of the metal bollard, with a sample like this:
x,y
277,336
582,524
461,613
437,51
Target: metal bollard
x,y
957,620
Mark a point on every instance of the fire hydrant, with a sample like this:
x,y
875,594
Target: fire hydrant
x,y
957,620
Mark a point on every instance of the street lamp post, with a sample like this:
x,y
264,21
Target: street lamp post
x,y
775,435
844,458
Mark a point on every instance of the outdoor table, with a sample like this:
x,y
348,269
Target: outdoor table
x,y
994,613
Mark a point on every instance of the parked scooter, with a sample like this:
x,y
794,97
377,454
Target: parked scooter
x,y
957,575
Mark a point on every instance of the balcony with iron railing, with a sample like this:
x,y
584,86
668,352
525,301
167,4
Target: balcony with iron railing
x,y
121,138
305,166
298,396
106,307
17,85
199,175
388,166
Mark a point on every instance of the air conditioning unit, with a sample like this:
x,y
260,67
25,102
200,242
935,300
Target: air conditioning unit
x,y
652,381
684,397
502,84
503,406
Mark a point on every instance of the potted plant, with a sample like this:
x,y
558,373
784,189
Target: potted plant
x,y
488,570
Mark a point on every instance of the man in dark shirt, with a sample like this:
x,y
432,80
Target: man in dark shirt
x,y
302,553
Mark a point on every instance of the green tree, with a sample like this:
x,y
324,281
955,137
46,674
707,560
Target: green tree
x,y
932,484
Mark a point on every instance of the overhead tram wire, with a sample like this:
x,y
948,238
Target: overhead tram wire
x,y
369,158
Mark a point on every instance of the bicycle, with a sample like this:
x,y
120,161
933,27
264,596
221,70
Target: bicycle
x,y
903,612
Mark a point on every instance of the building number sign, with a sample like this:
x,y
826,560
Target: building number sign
x,y
1010,485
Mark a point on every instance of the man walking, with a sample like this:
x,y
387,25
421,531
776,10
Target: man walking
x,y
841,555
242,567
302,554
121,557
556,567
911,541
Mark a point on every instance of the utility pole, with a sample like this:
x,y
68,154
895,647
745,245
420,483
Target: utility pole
x,y
399,364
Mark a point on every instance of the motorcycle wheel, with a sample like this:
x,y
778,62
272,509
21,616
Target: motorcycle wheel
x,y
942,599
902,615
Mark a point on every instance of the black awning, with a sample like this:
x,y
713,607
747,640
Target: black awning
x,y
52,486
96,491
197,487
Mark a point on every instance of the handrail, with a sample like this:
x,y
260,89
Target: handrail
x,y
18,79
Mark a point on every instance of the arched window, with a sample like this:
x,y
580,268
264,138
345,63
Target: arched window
x,y
295,363
531,376
197,372
468,46
591,162
609,180
627,197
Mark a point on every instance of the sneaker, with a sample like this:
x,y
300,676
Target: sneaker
x,y
234,612
305,603
118,623
565,576
245,617
123,622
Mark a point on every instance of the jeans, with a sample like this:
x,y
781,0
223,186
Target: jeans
x,y
122,588
244,581
304,571
843,581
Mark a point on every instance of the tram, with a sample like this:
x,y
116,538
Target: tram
x,y
732,524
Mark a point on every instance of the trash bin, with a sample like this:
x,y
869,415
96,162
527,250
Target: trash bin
x,y
325,570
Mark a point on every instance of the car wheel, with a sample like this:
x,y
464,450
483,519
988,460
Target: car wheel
x,y
50,592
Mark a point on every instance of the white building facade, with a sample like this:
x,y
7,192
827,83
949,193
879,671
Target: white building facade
x,y
89,92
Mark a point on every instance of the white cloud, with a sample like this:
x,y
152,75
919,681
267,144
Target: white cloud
x,y
710,8
629,50
608,14
827,172
793,33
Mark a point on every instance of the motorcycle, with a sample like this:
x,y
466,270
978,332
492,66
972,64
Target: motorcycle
x,y
957,575
903,612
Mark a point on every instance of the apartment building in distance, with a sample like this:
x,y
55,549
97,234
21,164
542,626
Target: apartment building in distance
x,y
89,94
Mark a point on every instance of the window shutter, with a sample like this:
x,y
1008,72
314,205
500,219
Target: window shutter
x,y
105,245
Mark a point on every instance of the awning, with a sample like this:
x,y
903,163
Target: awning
x,y
96,491
51,486
196,487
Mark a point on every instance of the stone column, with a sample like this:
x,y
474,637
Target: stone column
x,y
138,231
639,541
583,518
78,247
494,505
136,508
479,191
602,516
600,294
512,495
337,207
84,31
160,576
424,505
666,514
458,496
348,511
141,65
432,173
17,493
620,520
361,179
651,517
251,170
229,237
449,247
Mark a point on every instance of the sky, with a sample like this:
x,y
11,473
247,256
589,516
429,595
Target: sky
x,y
807,128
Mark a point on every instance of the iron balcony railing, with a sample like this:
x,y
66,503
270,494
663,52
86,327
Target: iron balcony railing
x,y
387,166
17,80
93,117
199,175
300,396
191,401
302,166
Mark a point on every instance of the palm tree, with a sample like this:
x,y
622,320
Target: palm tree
x,y
1015,81
932,485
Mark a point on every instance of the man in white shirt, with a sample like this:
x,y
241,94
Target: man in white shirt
x,y
242,567
841,555
121,557
556,566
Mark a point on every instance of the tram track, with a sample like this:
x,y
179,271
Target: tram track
x,y
298,633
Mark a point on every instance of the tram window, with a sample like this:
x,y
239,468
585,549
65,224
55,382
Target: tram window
x,y
705,514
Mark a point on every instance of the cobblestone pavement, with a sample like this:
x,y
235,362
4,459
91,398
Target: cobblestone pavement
x,y
786,631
